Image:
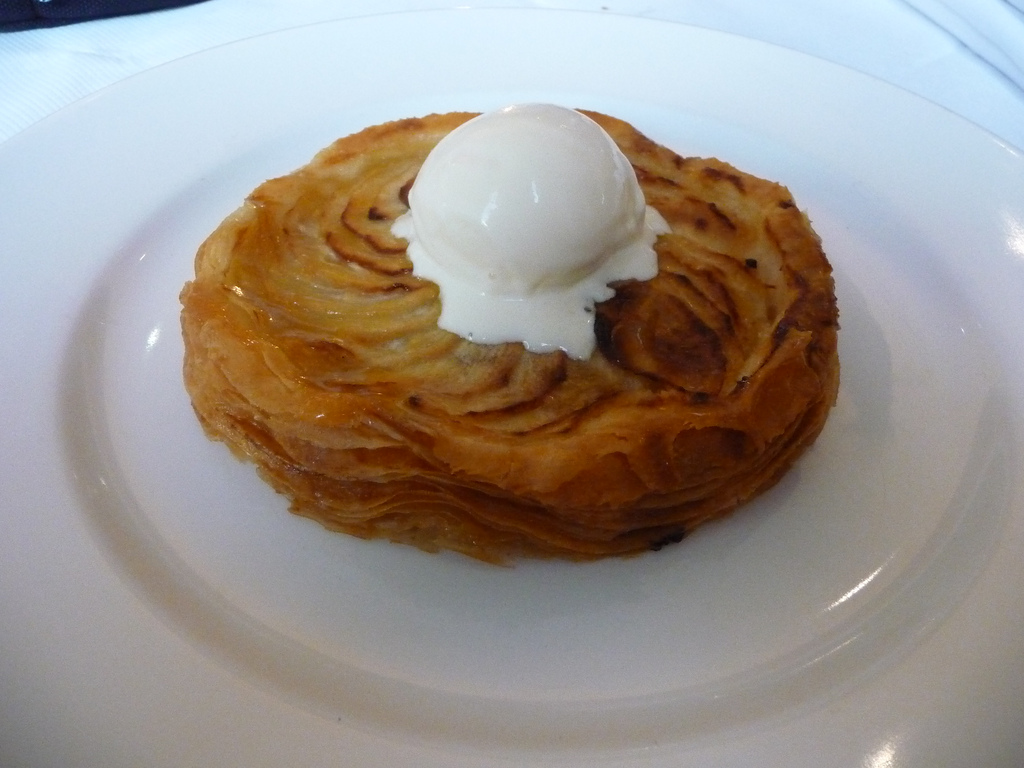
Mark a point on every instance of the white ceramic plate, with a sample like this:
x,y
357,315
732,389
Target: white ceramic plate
x,y
159,606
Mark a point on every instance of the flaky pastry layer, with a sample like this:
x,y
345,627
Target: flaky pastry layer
x,y
313,351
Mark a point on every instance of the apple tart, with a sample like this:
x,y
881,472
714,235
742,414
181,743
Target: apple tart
x,y
312,351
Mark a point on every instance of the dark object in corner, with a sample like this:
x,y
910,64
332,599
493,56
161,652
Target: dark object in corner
x,y
27,14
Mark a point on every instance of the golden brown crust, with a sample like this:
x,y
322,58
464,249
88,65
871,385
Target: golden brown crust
x,y
313,351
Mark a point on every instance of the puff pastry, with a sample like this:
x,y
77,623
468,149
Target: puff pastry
x,y
312,351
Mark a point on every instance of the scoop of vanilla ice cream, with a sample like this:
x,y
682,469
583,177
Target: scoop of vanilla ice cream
x,y
522,217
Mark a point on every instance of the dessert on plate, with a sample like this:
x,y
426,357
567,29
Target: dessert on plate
x,y
534,332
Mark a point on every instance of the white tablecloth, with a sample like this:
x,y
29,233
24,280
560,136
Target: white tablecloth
x,y
967,55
